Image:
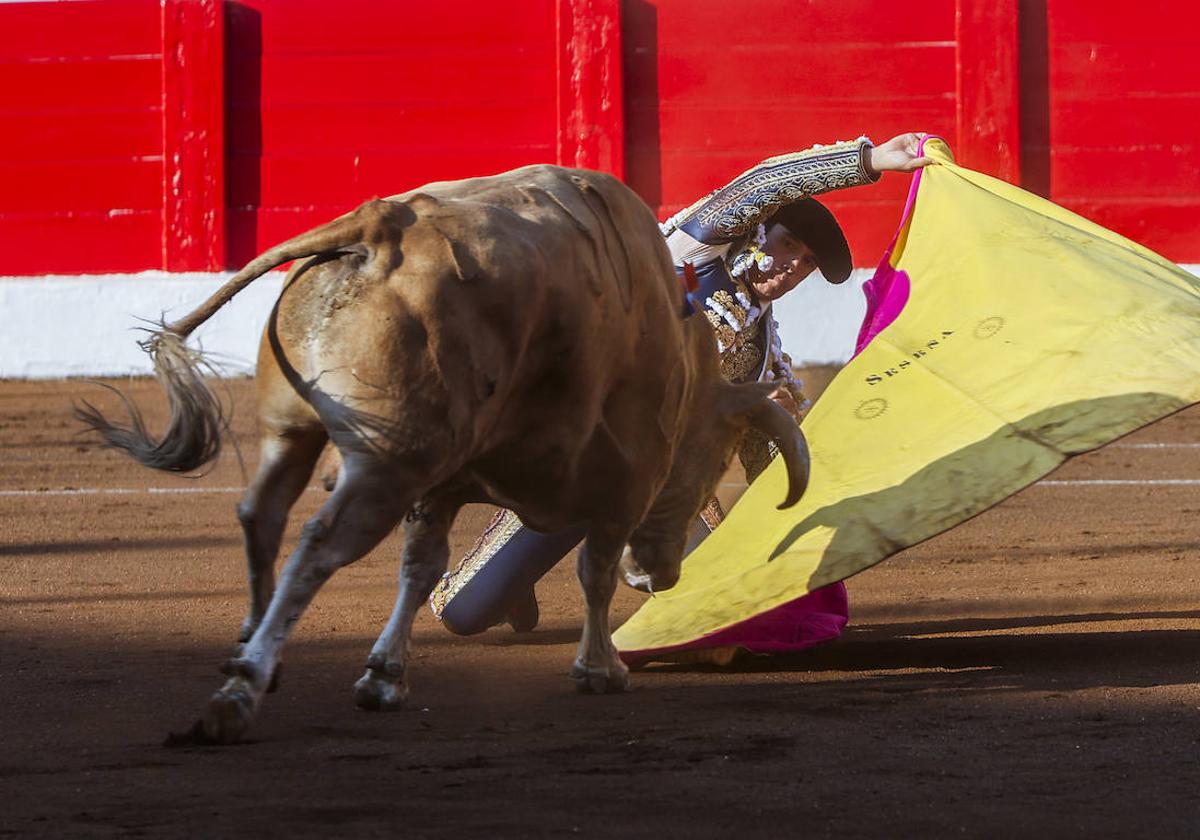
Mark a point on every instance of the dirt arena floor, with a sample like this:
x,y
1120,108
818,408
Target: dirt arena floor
x,y
1032,672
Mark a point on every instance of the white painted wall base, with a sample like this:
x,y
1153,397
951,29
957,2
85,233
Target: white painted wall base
x,y
54,326
819,322
58,326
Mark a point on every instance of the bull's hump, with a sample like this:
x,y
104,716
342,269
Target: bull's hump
x,y
518,189
572,217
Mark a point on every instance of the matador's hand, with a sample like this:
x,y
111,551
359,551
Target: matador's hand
x,y
900,154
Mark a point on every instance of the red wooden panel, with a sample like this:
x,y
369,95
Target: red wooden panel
x,y
1173,121
711,94
1151,22
1087,71
397,79
363,26
591,96
78,185
1123,117
80,243
391,174
193,178
83,174
96,86
320,117
130,135
1167,227
319,179
380,128
324,111
740,32
82,28
762,129
829,71
253,230
988,134
1150,172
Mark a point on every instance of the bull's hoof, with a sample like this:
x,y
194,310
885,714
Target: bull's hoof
x,y
612,679
229,714
376,693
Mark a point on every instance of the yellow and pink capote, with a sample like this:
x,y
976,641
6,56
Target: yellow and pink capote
x,y
1014,334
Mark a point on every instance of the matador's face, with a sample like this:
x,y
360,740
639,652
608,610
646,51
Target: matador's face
x,y
793,262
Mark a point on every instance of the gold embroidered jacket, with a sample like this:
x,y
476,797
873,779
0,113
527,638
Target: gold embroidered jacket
x,y
733,211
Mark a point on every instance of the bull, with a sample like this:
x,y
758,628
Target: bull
x,y
514,339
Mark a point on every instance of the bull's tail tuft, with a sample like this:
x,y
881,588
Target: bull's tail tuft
x,y
193,435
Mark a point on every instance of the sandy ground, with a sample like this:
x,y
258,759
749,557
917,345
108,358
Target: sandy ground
x,y
1034,670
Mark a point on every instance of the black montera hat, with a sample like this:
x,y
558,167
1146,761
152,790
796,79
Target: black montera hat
x,y
813,224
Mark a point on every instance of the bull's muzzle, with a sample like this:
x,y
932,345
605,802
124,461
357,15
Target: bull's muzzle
x,y
657,578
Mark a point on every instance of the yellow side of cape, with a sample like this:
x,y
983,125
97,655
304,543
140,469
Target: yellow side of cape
x,y
1030,335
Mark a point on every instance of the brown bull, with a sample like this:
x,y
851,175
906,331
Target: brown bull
x,y
514,339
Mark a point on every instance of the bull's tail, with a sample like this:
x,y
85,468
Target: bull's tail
x,y
197,418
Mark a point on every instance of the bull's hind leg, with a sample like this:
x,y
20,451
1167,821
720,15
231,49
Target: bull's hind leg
x,y
597,667
426,552
362,511
285,465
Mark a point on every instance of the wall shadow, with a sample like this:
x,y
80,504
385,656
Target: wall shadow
x,y
1009,662
243,131
1034,73
986,624
111,546
182,595
643,140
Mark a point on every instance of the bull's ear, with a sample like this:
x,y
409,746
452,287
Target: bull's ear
x,y
738,400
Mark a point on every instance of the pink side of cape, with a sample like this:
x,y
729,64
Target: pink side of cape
x,y
822,614
887,290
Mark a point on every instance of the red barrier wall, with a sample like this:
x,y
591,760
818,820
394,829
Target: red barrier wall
x,y
1124,105
123,150
325,110
81,144
330,109
710,94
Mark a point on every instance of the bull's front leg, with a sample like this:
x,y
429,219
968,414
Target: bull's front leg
x,y
597,667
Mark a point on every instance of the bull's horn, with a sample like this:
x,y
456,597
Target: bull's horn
x,y
774,421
